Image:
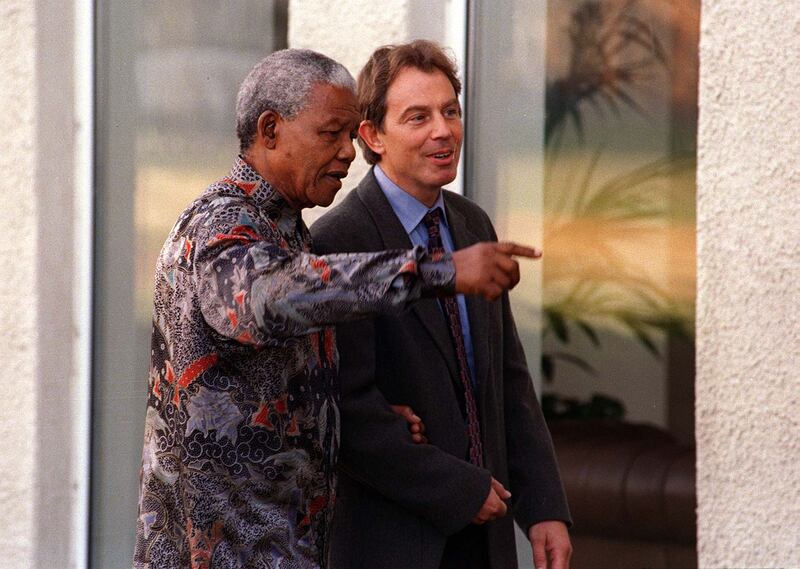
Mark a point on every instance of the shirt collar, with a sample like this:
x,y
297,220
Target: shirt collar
x,y
408,209
245,178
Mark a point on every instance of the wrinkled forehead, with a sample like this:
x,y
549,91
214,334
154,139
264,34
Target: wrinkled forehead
x,y
332,103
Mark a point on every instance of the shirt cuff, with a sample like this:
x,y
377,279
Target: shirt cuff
x,y
438,276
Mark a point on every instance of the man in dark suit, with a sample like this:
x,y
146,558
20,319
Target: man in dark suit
x,y
458,363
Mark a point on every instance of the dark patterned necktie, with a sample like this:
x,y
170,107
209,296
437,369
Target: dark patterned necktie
x,y
432,220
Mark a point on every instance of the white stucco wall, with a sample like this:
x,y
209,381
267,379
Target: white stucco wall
x,y
44,347
18,307
366,23
748,307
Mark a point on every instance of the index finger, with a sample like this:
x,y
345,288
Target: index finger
x,y
539,554
511,248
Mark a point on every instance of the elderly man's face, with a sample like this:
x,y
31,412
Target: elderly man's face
x,y
315,149
421,133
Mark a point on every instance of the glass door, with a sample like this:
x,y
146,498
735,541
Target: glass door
x,y
581,138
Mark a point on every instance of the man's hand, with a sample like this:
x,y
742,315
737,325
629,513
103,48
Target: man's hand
x,y
489,268
493,507
550,541
415,424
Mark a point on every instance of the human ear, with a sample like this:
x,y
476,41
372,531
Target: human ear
x,y
370,134
266,128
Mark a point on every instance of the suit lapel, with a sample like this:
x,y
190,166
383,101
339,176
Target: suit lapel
x,y
394,236
477,307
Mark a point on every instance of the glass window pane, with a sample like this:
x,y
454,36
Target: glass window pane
x,y
581,138
167,77
619,192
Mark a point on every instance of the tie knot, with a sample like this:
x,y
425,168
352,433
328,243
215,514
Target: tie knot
x,y
432,220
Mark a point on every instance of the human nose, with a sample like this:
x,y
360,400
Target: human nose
x,y
441,127
347,151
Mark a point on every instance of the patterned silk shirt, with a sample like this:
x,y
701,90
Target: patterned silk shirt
x,y
242,425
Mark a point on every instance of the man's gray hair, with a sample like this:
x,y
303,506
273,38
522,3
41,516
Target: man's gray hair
x,y
282,82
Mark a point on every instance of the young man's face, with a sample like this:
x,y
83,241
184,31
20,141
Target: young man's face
x,y
315,148
420,139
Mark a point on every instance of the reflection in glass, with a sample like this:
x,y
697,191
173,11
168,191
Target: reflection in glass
x,y
619,271
618,287
581,137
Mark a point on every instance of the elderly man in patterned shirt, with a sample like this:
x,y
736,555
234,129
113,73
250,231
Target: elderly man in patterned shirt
x,y
242,424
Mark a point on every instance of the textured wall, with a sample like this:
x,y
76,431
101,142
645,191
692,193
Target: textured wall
x,y
42,423
17,304
748,312
347,31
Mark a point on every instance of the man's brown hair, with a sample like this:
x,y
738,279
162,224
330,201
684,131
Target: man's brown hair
x,y
384,66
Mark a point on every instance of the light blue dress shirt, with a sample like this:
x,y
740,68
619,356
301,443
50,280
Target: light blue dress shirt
x,y
410,211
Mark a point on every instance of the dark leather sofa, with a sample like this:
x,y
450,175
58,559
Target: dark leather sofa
x,y
631,490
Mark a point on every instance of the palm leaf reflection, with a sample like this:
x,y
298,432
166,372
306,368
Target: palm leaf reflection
x,y
594,274
612,51
600,230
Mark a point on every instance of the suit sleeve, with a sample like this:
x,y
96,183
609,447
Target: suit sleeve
x,y
377,449
537,492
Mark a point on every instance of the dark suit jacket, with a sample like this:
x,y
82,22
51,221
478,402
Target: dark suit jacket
x,y
397,502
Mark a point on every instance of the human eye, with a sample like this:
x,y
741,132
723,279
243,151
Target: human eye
x,y
331,133
417,118
452,112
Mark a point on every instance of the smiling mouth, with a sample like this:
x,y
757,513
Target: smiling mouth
x,y
442,155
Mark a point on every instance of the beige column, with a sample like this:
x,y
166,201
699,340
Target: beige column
x,y
748,307
18,307
45,136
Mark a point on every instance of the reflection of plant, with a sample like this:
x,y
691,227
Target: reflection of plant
x,y
597,287
612,54
593,301
612,51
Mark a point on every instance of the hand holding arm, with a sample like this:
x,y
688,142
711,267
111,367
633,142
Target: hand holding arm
x,y
415,425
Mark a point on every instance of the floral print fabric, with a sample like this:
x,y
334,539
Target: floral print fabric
x,y
242,424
